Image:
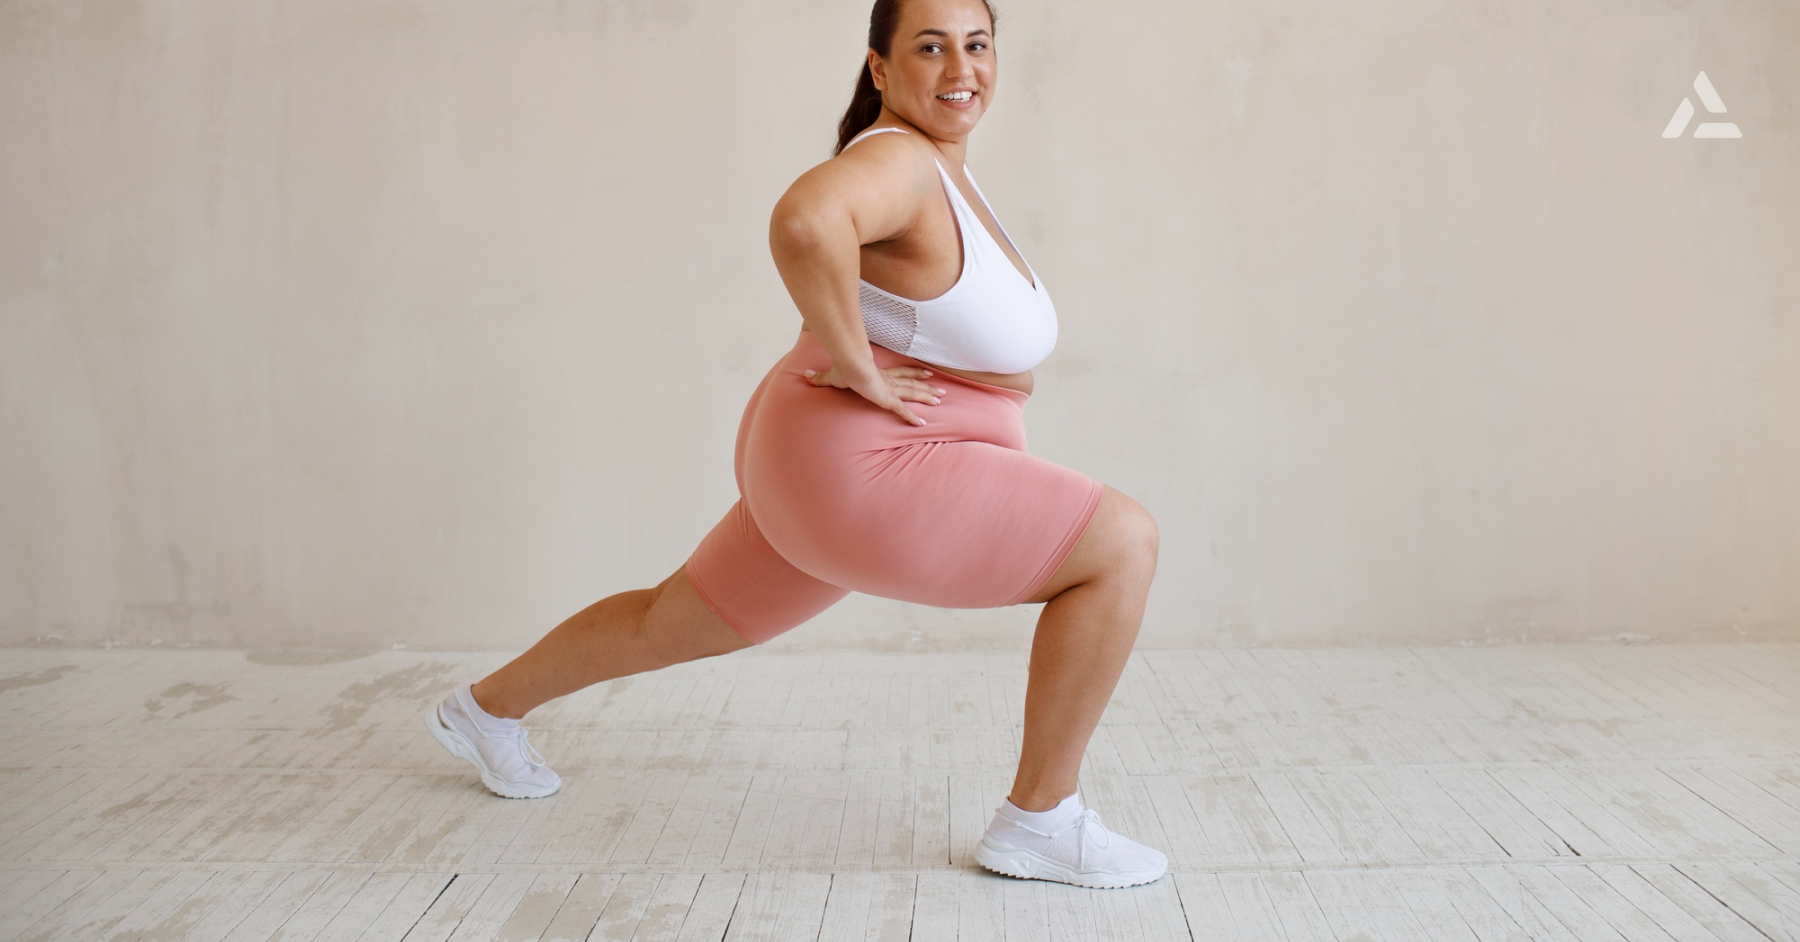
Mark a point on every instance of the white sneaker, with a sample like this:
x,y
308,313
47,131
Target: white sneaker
x,y
1081,851
497,747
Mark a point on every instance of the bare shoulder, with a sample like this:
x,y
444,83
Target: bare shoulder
x,y
881,181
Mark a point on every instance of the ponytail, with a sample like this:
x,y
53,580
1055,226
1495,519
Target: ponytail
x,y
865,106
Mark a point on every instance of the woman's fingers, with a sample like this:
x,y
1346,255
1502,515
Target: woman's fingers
x,y
918,392
907,381
918,385
900,388
910,373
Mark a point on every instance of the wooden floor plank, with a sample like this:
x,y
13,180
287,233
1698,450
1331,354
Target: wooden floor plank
x,y
494,907
105,914
1382,795
320,908
1315,839
537,907
1750,894
1298,912
1776,884
1342,907
449,908
1431,906
268,913
180,910
624,909
1584,917
779,906
1520,832
28,901
669,908
1752,808
64,916
404,908
1521,905
576,916
710,916
868,907
97,799
1698,903
1485,917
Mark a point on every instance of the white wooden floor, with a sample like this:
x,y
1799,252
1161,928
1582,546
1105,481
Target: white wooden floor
x,y
1573,793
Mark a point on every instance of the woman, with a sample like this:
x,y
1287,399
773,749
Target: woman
x,y
885,454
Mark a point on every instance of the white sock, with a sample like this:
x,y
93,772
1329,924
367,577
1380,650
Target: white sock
x,y
485,722
1043,822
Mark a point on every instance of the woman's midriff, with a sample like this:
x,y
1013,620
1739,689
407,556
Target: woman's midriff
x,y
1021,382
971,411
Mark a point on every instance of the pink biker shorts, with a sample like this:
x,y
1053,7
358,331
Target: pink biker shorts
x,y
840,495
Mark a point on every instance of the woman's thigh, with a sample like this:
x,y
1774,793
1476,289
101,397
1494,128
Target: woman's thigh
x,y
1120,540
740,580
955,524
680,622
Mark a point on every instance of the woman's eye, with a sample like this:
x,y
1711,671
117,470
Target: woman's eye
x,y
935,47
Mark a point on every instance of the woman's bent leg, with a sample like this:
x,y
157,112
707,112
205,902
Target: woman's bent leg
x,y
734,591
1084,637
627,633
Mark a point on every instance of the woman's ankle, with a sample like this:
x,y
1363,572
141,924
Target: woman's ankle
x,y
493,708
1038,799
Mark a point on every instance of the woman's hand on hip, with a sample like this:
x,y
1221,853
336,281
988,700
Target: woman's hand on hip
x,y
888,388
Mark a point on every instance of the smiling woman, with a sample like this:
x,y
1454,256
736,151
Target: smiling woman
x,y
911,294
884,22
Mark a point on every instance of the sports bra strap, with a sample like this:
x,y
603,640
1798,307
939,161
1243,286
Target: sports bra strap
x,y
867,133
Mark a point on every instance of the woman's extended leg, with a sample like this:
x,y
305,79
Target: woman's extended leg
x,y
1084,636
628,633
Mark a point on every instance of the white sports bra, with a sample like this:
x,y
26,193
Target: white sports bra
x,y
991,320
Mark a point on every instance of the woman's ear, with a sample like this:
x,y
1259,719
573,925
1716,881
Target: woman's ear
x,y
878,71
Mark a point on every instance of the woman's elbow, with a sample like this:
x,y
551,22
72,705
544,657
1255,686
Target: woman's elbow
x,y
794,229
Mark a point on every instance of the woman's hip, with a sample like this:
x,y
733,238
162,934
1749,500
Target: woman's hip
x,y
789,413
957,524
854,495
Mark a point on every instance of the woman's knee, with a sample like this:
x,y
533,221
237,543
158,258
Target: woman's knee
x,y
1121,541
1136,534
680,626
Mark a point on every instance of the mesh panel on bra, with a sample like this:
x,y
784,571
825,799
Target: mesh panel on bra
x,y
889,323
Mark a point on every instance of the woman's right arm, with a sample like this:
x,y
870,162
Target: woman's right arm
x,y
816,234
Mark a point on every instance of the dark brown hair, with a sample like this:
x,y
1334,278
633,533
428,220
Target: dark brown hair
x,y
865,102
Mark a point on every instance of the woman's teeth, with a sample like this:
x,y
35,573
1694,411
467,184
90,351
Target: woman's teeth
x,y
957,96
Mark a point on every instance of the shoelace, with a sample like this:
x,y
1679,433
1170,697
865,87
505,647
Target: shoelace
x,y
1082,820
527,750
1086,817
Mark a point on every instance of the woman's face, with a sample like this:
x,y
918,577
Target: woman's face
x,y
940,71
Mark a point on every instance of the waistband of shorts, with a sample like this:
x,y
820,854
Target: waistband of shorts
x,y
808,345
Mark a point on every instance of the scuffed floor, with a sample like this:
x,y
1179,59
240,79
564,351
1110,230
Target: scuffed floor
x,y
1584,793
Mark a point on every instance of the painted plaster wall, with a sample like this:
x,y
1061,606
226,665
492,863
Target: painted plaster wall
x,y
359,323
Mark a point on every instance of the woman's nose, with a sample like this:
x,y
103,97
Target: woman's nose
x,y
956,64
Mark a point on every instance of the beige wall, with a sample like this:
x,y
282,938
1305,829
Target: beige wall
x,y
354,323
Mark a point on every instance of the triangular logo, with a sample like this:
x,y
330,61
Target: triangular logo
x,y
1685,113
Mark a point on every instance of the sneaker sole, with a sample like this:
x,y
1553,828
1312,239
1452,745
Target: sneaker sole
x,y
460,747
1027,864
